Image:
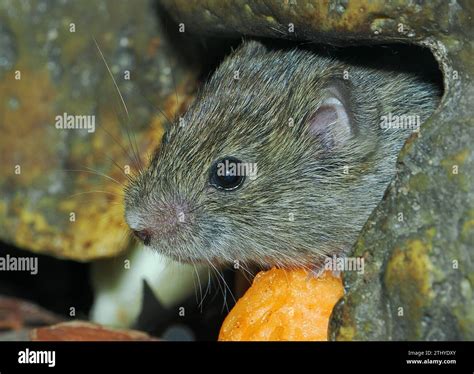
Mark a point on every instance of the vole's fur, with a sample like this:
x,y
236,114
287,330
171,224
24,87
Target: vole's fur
x,y
298,176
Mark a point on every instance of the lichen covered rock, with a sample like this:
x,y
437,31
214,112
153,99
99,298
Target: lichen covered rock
x,y
418,245
62,188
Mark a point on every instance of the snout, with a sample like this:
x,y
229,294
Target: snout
x,y
158,223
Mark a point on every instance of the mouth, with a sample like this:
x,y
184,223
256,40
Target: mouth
x,y
143,236
183,258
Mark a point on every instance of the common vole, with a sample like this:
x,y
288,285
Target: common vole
x,y
322,137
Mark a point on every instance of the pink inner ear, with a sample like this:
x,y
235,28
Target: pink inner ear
x,y
331,124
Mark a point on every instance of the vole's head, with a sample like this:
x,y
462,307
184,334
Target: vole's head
x,y
238,177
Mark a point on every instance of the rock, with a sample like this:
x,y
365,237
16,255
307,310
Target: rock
x,y
85,331
16,314
21,335
418,245
51,69
19,321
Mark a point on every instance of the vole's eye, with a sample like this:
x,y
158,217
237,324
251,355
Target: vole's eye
x,y
226,174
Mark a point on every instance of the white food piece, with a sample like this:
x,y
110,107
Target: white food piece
x,y
118,285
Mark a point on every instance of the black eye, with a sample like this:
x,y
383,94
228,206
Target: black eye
x,y
227,174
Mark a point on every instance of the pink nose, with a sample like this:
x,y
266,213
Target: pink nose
x,y
143,235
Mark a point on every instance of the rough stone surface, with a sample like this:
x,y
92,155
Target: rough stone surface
x,y
50,65
419,243
80,331
17,314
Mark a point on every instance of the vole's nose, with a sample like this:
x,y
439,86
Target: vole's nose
x,y
143,235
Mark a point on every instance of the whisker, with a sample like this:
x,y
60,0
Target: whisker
x,y
174,83
95,172
225,285
112,76
208,288
96,191
219,286
128,176
134,151
248,275
199,283
127,154
154,107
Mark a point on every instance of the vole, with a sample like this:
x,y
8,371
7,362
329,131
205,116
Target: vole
x,y
312,129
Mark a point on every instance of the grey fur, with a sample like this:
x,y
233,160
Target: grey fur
x,y
249,119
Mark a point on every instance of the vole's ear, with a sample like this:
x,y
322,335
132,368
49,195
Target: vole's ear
x,y
333,123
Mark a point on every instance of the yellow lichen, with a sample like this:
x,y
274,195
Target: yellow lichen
x,y
346,333
409,274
